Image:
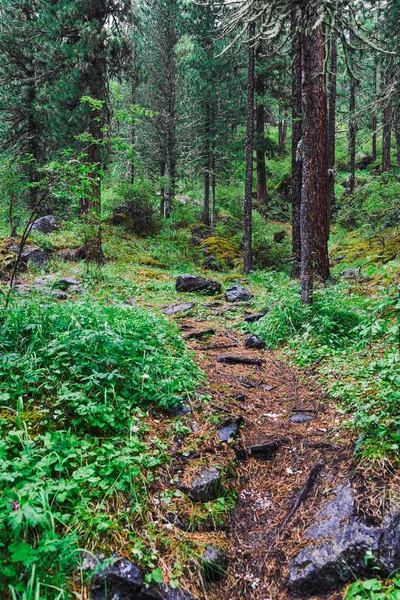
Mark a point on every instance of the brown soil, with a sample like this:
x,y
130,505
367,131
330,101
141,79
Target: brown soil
x,y
266,397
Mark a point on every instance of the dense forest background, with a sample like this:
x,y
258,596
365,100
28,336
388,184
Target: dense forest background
x,y
254,143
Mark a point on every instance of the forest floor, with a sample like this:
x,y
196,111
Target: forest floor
x,y
254,521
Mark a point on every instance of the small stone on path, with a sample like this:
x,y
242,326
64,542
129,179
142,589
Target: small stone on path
x,y
237,293
301,418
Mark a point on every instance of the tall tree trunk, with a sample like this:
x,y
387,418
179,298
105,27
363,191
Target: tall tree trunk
x,y
96,76
170,173
374,115
248,193
331,128
162,190
352,135
296,150
133,134
260,156
386,132
321,225
398,143
308,173
206,167
213,187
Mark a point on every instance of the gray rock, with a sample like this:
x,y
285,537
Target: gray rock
x,y
206,485
228,432
193,283
301,418
321,569
173,309
35,256
351,273
254,318
179,411
339,258
160,592
335,514
215,563
237,293
67,281
120,581
45,224
340,558
252,341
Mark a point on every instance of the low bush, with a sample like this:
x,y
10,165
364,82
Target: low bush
x,y
88,365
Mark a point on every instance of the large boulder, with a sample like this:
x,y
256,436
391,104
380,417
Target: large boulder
x,y
121,581
344,543
237,293
45,225
193,283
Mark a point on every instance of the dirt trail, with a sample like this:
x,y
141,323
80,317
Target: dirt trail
x,y
267,397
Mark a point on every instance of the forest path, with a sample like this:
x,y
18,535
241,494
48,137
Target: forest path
x,y
266,397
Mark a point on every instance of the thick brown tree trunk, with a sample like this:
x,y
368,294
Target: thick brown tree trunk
x,y
213,188
352,135
133,135
321,225
206,167
307,207
331,129
296,151
374,115
248,193
398,144
260,156
162,190
90,205
170,173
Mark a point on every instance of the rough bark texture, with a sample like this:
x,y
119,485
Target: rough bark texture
x,y
331,129
321,224
206,166
260,156
352,135
374,115
162,190
308,174
213,186
398,144
296,152
248,201
386,134
96,77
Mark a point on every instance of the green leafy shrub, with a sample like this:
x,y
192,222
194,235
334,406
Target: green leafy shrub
x,y
91,364
330,322
138,210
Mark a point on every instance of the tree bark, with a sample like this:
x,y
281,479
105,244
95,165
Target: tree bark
x,y
398,144
248,200
213,186
352,135
133,135
331,129
321,225
374,115
308,173
296,151
206,167
162,190
386,133
260,156
90,206
170,173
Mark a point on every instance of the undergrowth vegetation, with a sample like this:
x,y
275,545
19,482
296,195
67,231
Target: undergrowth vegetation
x,y
76,456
